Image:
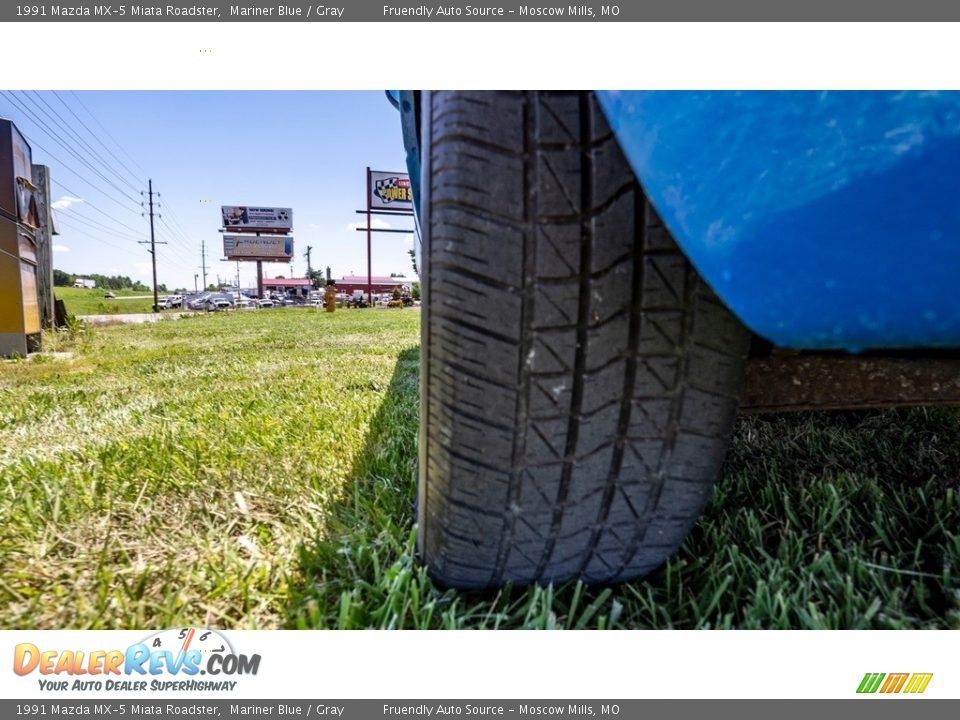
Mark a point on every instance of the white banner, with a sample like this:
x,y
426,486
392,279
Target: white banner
x,y
475,664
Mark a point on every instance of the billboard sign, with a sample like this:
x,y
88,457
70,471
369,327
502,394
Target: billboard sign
x,y
254,219
270,248
390,191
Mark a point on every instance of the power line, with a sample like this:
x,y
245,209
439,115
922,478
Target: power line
x,y
174,219
70,169
71,215
36,112
168,232
97,237
95,207
96,225
57,139
82,177
59,121
176,226
173,227
107,132
174,261
95,136
175,235
125,248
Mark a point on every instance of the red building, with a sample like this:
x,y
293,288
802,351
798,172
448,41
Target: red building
x,y
357,284
292,287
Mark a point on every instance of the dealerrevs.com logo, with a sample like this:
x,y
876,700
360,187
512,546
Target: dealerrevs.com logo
x,y
169,660
892,683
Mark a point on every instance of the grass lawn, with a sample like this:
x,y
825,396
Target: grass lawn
x,y
257,469
89,301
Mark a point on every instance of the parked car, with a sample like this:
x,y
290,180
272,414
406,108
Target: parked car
x,y
108,295
174,301
199,302
218,302
607,278
265,303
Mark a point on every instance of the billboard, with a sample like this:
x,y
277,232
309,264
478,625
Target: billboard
x,y
254,219
390,191
270,248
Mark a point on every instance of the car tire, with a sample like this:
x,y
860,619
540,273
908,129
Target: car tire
x,y
579,380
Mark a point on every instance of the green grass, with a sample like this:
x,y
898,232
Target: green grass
x,y
258,470
90,301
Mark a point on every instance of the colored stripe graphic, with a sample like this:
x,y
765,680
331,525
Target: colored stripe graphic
x,y
918,682
893,683
870,682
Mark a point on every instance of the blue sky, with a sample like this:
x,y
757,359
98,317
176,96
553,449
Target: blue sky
x,y
304,150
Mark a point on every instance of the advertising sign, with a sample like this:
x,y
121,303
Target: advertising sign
x,y
270,248
390,191
270,219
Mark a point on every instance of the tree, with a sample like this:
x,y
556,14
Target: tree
x,y
62,279
105,282
413,260
415,291
317,279
396,292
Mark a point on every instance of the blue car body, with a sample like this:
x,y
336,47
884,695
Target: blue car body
x,y
824,220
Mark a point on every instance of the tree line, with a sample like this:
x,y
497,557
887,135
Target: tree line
x,y
106,282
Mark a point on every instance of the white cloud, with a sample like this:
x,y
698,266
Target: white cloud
x,y
376,224
61,248
65,201
142,268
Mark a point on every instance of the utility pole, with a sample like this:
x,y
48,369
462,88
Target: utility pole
x,y
195,290
309,268
153,246
203,262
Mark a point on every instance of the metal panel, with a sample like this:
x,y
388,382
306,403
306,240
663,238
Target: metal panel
x,y
31,308
823,220
44,239
19,309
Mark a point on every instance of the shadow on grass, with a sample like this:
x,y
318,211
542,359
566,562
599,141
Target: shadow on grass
x,y
820,520
369,529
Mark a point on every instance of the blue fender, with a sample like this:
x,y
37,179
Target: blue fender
x,y
824,220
